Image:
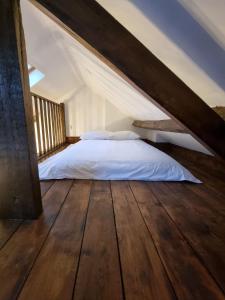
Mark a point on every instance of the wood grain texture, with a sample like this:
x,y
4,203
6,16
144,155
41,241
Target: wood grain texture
x,y
63,122
54,272
210,198
198,229
45,186
189,277
143,274
19,182
26,243
7,229
97,30
38,126
99,271
43,132
161,125
166,248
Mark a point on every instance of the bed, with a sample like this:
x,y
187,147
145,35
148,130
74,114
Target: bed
x,y
108,159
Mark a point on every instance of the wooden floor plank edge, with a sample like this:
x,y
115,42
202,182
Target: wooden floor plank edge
x,y
46,189
117,242
43,243
11,234
99,275
82,241
150,234
190,244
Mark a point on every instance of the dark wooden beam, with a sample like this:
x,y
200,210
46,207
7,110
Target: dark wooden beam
x,y
220,110
161,125
96,29
20,195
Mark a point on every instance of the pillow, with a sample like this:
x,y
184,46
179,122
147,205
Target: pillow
x,y
124,135
109,135
96,135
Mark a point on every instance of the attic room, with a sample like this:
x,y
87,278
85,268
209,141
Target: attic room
x,y
112,148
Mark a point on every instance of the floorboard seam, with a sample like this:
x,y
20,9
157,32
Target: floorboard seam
x,y
198,211
212,209
42,245
11,235
118,249
190,244
163,265
82,240
42,196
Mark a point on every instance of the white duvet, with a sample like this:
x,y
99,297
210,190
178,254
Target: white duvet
x,y
113,160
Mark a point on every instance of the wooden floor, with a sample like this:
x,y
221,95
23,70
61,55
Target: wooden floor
x,y
119,240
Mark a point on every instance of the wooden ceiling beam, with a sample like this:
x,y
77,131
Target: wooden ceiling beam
x,y
161,125
97,30
220,110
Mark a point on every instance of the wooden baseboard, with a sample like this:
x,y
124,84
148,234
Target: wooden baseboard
x,y
52,152
72,139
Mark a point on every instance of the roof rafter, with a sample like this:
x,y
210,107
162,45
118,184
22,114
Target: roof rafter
x,y
97,30
161,125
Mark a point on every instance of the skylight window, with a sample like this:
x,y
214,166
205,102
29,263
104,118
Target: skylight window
x,y
34,75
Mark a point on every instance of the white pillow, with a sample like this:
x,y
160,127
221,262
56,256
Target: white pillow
x,y
96,135
109,135
124,135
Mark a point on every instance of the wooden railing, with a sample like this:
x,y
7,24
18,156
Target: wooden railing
x,y
49,125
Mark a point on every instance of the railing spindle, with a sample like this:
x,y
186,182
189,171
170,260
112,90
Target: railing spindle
x,y
49,123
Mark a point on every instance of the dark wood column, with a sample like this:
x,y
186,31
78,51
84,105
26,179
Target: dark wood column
x,y
19,183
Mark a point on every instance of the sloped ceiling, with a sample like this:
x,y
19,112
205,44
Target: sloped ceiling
x,y
68,66
187,36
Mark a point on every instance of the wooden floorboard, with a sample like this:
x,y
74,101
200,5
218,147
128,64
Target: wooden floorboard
x,y
190,278
213,200
45,186
200,207
216,184
196,228
144,276
119,240
7,229
19,254
99,274
53,274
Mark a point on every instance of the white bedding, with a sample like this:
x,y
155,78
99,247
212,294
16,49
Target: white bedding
x,y
113,160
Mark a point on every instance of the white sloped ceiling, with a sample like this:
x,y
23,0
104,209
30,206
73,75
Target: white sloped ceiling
x,y
186,35
67,65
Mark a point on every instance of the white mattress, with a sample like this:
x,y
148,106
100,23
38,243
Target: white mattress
x,y
113,160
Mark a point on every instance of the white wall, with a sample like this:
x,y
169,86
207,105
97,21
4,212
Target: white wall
x,y
116,120
87,111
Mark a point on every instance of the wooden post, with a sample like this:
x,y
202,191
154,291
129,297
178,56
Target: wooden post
x,y
19,182
63,121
